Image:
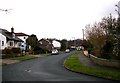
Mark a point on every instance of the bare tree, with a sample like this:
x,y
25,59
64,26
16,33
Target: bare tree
x,y
96,36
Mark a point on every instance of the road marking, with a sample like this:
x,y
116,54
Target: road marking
x,y
28,70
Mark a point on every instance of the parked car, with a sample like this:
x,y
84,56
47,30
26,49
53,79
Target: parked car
x,y
67,50
55,51
79,48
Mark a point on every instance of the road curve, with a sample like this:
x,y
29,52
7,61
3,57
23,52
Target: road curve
x,y
44,69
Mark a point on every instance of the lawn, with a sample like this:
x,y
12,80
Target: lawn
x,y
46,54
22,58
72,63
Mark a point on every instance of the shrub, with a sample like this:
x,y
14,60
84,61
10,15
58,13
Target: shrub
x,y
11,52
7,51
107,50
16,50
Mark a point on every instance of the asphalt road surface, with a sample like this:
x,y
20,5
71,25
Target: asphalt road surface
x,y
44,69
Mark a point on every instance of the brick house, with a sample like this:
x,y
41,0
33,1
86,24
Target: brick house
x,y
45,44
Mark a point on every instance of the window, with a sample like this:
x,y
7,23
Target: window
x,y
2,43
11,43
24,37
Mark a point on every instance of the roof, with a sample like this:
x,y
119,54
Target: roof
x,y
9,35
21,34
44,40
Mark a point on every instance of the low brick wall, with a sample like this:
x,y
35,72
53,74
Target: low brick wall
x,y
105,62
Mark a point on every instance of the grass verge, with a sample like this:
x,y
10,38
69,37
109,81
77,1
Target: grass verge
x,y
46,54
72,63
22,58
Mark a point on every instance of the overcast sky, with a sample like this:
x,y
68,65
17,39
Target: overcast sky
x,y
54,18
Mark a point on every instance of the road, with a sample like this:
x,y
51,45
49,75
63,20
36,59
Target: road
x,y
44,69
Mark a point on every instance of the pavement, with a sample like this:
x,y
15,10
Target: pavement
x,y
85,60
8,61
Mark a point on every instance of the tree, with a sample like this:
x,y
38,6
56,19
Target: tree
x,y
108,24
64,44
105,37
96,36
113,31
116,50
33,42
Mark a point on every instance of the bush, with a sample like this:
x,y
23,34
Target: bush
x,y
107,50
37,50
11,52
97,53
16,50
6,51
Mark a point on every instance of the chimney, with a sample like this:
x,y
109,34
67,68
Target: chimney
x,y
12,30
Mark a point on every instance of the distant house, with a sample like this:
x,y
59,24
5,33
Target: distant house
x,y
9,39
78,42
71,44
75,43
45,44
49,44
56,44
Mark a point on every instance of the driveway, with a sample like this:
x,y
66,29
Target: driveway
x,y
44,69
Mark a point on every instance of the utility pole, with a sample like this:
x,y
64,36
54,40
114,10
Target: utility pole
x,y
83,33
74,42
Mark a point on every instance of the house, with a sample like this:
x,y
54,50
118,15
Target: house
x,y
78,43
9,39
75,43
49,44
71,44
2,41
56,44
46,44
22,36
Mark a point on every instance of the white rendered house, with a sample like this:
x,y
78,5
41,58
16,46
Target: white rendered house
x,y
2,41
22,36
8,39
56,44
